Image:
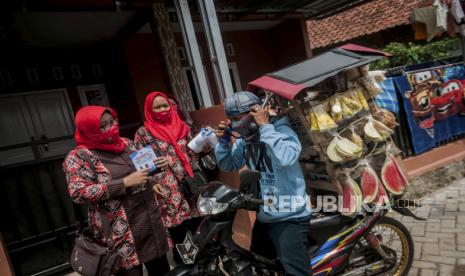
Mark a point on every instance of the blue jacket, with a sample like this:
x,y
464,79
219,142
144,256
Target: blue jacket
x,y
277,158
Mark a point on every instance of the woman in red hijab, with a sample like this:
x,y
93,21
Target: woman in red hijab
x,y
100,173
169,135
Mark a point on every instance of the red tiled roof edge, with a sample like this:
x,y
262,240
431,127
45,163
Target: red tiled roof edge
x,y
367,18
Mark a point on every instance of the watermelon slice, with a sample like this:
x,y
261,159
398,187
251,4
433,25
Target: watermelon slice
x,y
351,196
392,176
370,184
382,197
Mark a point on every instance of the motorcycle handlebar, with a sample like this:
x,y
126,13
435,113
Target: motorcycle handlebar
x,y
257,201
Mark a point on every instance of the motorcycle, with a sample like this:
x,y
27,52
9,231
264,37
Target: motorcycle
x,y
366,244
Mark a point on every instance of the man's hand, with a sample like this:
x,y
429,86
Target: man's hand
x,y
222,128
260,115
162,162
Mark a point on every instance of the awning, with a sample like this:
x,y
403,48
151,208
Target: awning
x,y
288,82
362,49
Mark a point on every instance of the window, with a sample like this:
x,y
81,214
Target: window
x,y
97,71
230,49
57,73
32,75
5,78
76,72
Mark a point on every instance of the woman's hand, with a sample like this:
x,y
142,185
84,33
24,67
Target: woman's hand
x,y
136,178
157,189
162,162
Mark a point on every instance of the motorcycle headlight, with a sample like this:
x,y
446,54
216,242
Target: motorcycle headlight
x,y
209,206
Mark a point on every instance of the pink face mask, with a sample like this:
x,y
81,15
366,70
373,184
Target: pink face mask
x,y
162,116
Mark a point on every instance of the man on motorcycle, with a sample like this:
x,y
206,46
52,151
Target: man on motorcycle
x,y
268,144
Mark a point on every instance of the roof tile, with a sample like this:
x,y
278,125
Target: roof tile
x,y
367,18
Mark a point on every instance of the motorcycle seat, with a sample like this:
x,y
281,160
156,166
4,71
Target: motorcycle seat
x,y
326,220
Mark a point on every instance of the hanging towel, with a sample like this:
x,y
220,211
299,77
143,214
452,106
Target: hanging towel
x,y
387,99
420,139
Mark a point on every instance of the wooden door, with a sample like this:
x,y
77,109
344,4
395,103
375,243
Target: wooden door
x,y
51,117
16,128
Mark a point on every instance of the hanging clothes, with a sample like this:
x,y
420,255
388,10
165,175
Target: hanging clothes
x,y
441,14
457,11
458,16
427,16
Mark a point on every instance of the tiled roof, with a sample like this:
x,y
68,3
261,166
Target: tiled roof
x,y
368,18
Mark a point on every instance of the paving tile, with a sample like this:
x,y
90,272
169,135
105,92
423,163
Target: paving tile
x,y
438,259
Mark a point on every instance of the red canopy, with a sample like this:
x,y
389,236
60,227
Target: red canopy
x,y
274,85
358,48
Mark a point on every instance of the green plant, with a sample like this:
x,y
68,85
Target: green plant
x,y
411,53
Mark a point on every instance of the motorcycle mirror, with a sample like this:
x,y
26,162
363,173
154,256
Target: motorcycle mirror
x,y
249,181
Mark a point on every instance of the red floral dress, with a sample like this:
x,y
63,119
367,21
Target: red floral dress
x,y
92,184
174,207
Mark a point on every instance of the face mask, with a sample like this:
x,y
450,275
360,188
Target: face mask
x,y
112,135
162,116
246,127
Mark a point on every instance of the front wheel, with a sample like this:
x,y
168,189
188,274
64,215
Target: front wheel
x,y
397,244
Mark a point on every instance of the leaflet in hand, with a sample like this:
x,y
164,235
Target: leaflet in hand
x,y
144,159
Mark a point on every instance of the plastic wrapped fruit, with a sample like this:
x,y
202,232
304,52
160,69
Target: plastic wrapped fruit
x,y
356,139
352,197
377,131
322,118
332,153
341,149
370,184
361,97
371,85
336,108
386,117
313,122
349,106
392,176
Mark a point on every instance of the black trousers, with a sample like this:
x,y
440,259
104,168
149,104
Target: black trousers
x,y
290,241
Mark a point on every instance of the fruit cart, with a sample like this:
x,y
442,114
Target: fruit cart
x,y
346,138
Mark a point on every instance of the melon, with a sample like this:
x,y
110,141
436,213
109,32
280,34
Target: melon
x,y
370,184
351,196
392,176
382,197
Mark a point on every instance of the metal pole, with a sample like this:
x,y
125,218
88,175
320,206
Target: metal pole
x,y
462,40
193,53
216,48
